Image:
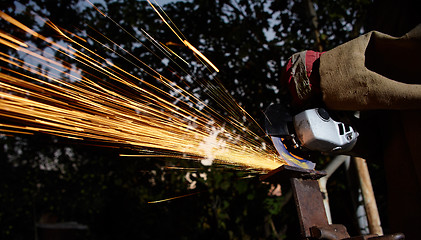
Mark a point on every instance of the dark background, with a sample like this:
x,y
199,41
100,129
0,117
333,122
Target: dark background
x,y
109,194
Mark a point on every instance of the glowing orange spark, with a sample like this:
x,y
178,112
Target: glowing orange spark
x,y
174,44
175,54
9,44
186,43
12,39
17,23
168,199
200,54
165,21
93,5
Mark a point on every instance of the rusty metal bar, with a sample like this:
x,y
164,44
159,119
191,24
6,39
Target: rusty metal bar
x,y
309,203
310,208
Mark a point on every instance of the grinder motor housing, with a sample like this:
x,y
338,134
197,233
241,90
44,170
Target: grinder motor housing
x,y
312,129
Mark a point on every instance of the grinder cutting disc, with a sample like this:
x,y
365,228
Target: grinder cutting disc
x,y
290,159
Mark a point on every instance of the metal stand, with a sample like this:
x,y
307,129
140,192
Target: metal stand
x,y
310,208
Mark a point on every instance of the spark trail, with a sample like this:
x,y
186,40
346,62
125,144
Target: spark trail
x,y
103,103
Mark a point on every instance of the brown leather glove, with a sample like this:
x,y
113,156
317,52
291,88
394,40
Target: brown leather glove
x,y
373,71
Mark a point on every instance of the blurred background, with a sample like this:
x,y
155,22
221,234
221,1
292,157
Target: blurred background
x,y
96,194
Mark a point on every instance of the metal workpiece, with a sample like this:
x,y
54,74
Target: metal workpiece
x,y
396,236
333,231
311,211
285,173
308,200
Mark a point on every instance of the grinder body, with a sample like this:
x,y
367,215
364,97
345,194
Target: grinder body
x,y
309,130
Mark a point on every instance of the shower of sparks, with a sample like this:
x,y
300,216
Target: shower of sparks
x,y
113,107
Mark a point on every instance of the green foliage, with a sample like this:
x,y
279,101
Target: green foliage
x,y
110,195
42,176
